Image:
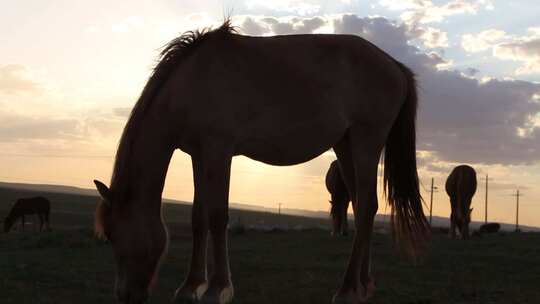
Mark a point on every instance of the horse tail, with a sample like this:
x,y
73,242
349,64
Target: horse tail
x,y
459,192
401,184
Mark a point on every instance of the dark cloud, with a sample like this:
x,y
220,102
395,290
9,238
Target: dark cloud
x,y
460,119
14,79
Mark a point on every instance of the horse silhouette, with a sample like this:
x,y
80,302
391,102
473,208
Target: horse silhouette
x,y
489,228
280,100
38,205
460,187
339,199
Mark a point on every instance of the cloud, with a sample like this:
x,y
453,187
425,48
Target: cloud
x,y
259,26
434,38
16,127
425,11
524,49
87,127
15,79
127,24
461,119
295,7
482,41
122,112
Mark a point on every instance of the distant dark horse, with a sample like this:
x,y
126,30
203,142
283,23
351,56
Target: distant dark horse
x,y
461,186
339,200
28,206
280,100
489,228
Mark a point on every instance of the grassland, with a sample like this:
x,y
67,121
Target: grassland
x,y
68,265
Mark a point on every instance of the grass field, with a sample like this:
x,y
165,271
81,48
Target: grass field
x,y
68,265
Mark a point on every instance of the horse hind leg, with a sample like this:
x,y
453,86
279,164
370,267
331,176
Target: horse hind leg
x,y
344,222
358,154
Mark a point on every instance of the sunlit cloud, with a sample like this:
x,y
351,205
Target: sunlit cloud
x,y
482,41
16,78
296,7
524,49
425,11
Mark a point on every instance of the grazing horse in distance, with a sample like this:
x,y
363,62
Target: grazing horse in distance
x,y
27,206
489,228
339,199
280,100
460,187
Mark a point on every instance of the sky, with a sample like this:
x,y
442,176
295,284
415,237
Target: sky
x,y
70,71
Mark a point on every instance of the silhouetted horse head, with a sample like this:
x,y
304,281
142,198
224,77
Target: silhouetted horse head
x,y
138,239
338,215
8,222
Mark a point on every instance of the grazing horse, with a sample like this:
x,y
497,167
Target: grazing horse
x,y
460,187
280,100
26,206
339,200
490,228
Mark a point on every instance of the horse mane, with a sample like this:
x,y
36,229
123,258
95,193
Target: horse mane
x,y
169,58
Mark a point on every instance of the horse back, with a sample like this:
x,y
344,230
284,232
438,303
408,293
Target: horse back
x,y
32,205
461,182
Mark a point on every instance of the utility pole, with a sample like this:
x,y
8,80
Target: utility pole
x,y
517,195
433,188
279,208
486,208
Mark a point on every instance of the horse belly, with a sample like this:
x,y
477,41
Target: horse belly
x,y
291,144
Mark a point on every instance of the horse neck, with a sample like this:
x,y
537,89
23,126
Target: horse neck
x,y
149,160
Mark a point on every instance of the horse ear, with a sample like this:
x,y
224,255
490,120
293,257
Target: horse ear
x,y
470,211
104,191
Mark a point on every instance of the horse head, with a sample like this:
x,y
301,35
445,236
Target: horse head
x,y
138,240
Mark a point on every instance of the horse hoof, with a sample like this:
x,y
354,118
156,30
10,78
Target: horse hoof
x,y
190,293
218,295
358,296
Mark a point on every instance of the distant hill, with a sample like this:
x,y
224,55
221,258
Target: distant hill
x,y
382,218
50,188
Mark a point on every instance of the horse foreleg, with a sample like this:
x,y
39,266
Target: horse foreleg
x,y
196,282
359,163
216,182
40,222
452,232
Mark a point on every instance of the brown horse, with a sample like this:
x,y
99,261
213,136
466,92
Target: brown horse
x,y
27,206
280,100
339,199
461,186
